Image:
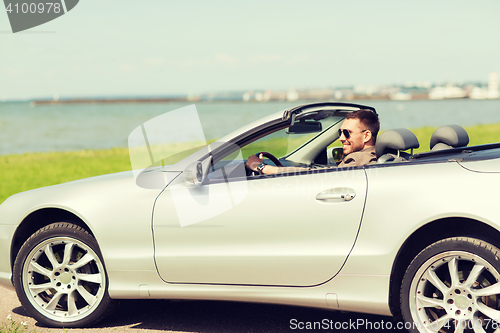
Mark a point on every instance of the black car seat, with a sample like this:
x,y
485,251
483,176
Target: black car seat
x,y
391,143
449,136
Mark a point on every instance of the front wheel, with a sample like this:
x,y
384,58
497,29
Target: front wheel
x,y
59,277
453,286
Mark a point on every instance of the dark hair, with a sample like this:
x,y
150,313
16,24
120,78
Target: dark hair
x,y
368,118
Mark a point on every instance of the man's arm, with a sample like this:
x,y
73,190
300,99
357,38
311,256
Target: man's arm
x,y
253,163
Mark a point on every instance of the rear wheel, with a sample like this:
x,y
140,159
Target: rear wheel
x,y
60,278
453,286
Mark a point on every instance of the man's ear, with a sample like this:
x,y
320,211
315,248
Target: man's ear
x,y
368,136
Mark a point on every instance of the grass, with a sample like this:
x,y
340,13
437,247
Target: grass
x,y
276,146
478,135
12,326
28,171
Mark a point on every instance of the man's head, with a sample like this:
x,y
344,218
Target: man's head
x,y
359,131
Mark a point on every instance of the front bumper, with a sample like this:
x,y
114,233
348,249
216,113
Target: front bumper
x,y
6,234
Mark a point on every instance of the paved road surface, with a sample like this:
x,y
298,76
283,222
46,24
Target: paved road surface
x,y
204,317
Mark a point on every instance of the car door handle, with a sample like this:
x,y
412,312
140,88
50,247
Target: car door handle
x,y
336,194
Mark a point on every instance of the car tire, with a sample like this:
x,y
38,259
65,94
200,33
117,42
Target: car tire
x,y
60,277
452,286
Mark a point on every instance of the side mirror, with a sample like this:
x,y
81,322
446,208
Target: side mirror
x,y
193,174
335,155
304,127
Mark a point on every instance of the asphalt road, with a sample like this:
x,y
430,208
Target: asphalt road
x,y
208,316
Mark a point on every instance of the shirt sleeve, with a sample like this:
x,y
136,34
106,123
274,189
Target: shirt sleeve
x,y
359,158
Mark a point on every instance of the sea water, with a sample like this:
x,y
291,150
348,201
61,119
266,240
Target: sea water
x,y
64,127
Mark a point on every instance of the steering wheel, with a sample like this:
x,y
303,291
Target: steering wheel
x,y
269,156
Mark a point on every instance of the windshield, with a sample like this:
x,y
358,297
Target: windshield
x,y
172,137
282,144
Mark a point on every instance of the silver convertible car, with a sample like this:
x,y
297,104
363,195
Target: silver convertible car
x,y
415,236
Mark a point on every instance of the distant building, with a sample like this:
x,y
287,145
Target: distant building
x,y
292,95
447,92
247,96
491,92
493,85
367,90
264,96
411,90
400,96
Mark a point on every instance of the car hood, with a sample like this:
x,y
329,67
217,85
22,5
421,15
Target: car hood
x,y
95,193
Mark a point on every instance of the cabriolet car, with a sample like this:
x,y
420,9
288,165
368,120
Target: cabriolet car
x,y
414,235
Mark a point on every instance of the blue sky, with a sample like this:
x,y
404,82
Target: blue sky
x,y
156,47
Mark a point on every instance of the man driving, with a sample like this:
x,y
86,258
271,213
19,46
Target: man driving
x,y
358,134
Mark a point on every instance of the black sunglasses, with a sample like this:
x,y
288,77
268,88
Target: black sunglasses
x,y
346,133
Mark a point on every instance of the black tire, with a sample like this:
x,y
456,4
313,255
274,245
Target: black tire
x,y
60,278
453,284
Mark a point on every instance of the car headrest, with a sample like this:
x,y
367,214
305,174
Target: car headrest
x,y
392,141
450,136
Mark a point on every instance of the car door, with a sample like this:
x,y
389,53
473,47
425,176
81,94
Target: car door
x,y
286,230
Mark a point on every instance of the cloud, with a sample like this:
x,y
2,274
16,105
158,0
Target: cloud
x,y
276,58
155,61
300,59
12,71
225,58
126,67
263,58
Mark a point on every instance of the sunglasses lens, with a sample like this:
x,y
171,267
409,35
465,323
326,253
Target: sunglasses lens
x,y
346,133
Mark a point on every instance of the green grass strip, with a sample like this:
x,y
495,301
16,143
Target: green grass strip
x,y
29,171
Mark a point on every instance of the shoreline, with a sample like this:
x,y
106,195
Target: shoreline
x,y
110,101
199,99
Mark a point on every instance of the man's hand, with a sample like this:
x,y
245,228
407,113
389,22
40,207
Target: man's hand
x,y
254,161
